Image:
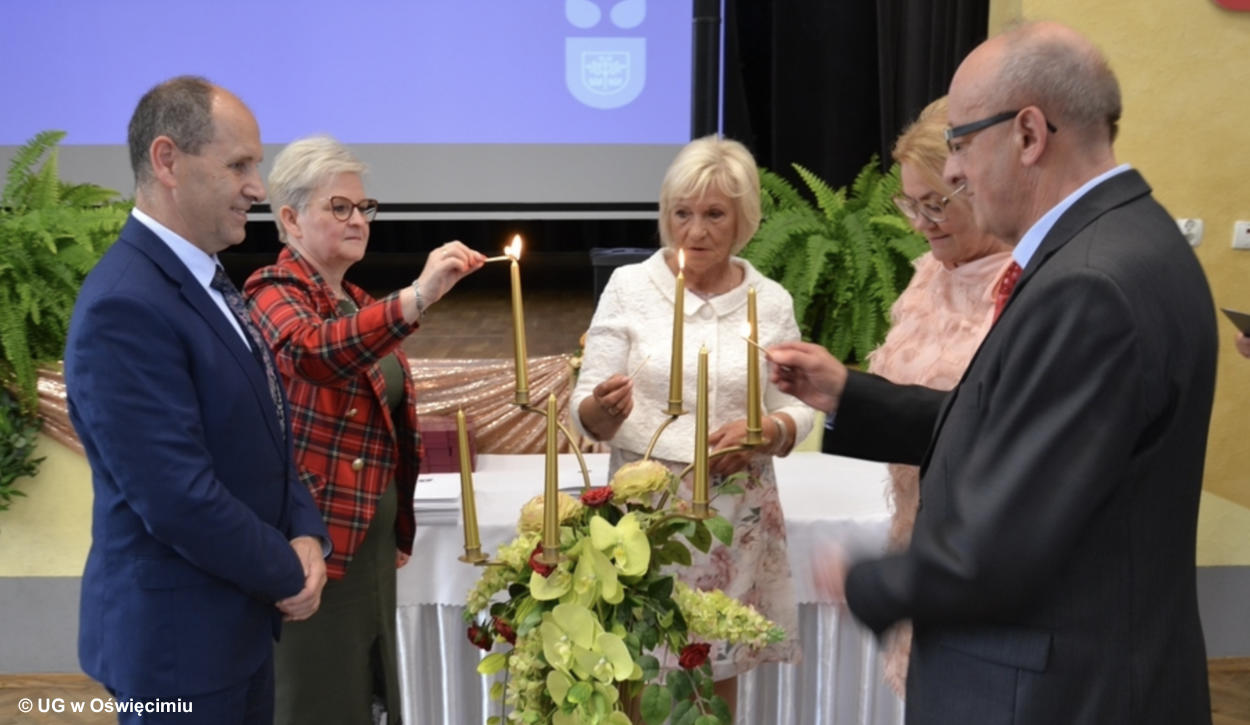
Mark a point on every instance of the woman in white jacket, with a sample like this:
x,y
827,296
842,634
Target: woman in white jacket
x,y
709,209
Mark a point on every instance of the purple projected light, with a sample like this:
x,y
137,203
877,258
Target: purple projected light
x,y
388,71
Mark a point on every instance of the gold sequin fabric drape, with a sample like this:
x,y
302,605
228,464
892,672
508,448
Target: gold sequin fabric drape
x,y
485,389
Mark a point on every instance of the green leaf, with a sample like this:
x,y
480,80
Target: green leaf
x,y
496,691
702,539
721,529
720,709
661,588
650,667
656,703
684,712
675,552
680,684
648,636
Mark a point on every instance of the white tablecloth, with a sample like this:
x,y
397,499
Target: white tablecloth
x,y
825,498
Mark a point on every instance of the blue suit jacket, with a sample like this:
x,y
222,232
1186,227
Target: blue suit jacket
x,y
196,496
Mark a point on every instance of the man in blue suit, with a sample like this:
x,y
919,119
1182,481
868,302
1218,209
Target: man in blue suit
x,y
1050,578
203,540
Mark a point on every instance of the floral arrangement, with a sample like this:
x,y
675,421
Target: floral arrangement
x,y
585,633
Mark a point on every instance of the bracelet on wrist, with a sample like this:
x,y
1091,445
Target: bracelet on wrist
x,y
782,440
416,289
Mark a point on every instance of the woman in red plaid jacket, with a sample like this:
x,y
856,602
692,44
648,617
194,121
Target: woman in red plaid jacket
x,y
354,424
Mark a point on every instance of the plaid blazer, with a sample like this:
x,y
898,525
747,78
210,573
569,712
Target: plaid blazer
x,y
347,444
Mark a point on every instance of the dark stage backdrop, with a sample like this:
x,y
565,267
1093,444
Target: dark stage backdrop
x,y
827,84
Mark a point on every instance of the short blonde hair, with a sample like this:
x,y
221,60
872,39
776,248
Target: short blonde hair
x,y
923,145
301,167
716,163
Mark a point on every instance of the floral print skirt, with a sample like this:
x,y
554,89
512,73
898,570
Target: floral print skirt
x,y
755,570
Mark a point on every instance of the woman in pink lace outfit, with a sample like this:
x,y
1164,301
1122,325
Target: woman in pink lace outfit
x,y
940,319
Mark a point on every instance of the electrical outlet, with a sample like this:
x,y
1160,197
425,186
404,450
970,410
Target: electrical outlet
x,y
1192,229
1241,235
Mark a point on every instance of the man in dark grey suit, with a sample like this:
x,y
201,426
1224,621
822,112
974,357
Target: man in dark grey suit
x,y
1051,575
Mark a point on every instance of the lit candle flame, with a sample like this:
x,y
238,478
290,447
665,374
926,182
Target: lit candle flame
x,y
681,260
514,248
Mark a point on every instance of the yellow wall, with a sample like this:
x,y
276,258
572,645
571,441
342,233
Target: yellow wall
x,y
48,531
1185,77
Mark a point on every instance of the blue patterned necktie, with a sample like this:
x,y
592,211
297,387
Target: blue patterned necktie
x,y
234,301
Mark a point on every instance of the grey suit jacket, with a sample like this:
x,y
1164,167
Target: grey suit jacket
x,y
1051,574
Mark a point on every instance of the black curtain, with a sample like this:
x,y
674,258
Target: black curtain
x,y
919,45
801,83
826,84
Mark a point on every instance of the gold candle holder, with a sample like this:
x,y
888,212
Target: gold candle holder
x,y
551,492
675,367
468,500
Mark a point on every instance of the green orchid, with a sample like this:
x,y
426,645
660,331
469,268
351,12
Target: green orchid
x,y
563,628
553,586
626,543
594,579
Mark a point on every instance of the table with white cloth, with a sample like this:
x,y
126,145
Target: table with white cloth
x,y
826,499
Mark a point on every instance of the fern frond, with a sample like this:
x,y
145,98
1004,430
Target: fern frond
x,y
829,201
45,188
779,193
51,235
17,368
82,196
20,172
770,249
844,260
867,178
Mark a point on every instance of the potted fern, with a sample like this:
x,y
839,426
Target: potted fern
x,y
51,234
844,259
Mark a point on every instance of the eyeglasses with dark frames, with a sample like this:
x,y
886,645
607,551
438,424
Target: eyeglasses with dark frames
x,y
341,207
934,211
956,132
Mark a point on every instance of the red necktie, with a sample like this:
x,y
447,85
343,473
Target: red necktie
x,y
1006,284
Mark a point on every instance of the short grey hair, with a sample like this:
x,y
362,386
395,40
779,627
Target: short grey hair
x,y
1071,82
716,163
181,109
301,167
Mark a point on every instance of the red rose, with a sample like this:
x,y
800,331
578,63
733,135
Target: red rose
x,y
480,637
694,655
538,566
505,630
596,497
